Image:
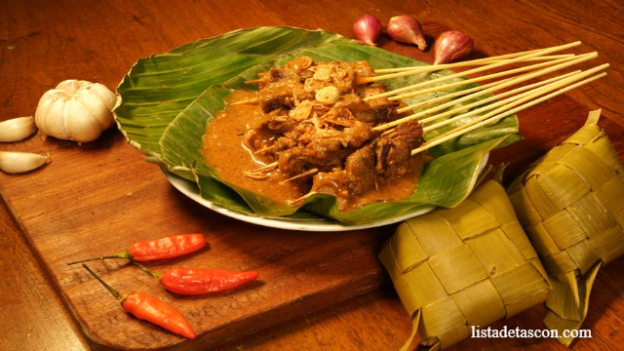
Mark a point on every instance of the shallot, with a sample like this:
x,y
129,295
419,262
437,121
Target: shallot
x,y
452,45
406,29
367,29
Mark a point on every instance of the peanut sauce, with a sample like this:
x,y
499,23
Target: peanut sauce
x,y
224,149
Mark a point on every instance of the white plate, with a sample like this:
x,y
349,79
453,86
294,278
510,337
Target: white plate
x,y
191,190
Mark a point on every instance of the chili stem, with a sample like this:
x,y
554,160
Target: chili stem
x,y
147,270
124,255
108,287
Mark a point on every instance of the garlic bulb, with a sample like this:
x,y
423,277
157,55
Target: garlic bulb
x,y
75,110
20,162
16,129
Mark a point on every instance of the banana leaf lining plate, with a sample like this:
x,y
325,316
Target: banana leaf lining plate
x,y
166,101
190,190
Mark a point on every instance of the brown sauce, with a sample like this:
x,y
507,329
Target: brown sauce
x,y
224,149
309,128
398,189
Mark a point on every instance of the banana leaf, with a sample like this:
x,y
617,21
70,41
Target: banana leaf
x,y
159,87
445,181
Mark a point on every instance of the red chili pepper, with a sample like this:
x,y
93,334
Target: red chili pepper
x,y
158,249
149,308
192,281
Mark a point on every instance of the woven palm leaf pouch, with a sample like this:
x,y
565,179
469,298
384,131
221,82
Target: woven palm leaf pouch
x,y
466,266
571,203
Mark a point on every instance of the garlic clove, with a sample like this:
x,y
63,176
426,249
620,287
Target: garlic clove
x,y
367,28
20,162
17,129
95,106
55,106
327,95
104,94
84,129
406,29
452,45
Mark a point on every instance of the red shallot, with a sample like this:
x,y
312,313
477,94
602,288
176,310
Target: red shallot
x,y
452,45
406,29
367,29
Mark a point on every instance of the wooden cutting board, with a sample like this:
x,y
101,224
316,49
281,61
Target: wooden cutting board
x,y
98,198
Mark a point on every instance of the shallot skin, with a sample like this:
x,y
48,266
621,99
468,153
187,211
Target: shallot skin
x,y
452,45
367,29
406,29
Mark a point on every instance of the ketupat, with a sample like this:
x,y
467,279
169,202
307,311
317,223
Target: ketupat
x,y
570,203
469,265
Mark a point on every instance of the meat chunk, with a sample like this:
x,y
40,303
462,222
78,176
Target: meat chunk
x,y
360,169
328,145
393,150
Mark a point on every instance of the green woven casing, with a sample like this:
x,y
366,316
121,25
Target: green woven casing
x,y
469,265
571,202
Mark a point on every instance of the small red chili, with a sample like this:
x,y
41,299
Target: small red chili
x,y
158,249
151,309
193,281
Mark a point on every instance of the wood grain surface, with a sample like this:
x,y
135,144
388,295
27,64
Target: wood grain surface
x,y
101,196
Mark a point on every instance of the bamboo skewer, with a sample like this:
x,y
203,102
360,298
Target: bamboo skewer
x,y
244,102
514,100
478,103
494,98
478,124
483,68
451,95
470,97
476,62
562,63
568,60
513,81
300,175
425,69
463,63
472,71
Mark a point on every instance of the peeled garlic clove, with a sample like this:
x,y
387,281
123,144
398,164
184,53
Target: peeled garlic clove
x,y
20,162
367,28
16,129
452,45
406,29
327,95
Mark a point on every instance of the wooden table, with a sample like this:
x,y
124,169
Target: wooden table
x,y
43,42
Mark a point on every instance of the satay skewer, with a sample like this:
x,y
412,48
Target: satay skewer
x,y
495,116
475,62
480,102
469,72
561,63
408,71
535,91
